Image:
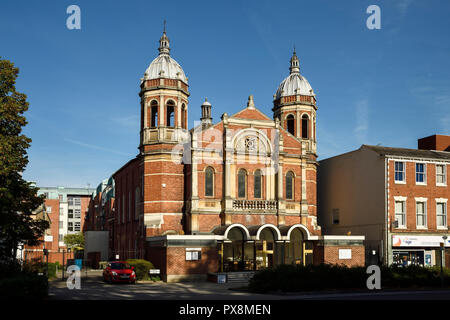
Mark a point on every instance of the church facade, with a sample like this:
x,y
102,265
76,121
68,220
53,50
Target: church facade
x,y
236,195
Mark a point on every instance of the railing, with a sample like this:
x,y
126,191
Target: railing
x,y
254,204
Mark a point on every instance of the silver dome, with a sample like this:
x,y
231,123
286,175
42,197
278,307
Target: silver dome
x,y
295,83
164,66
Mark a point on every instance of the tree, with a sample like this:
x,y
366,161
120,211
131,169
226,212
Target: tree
x,y
74,241
18,198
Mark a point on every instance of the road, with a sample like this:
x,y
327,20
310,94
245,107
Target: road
x,y
93,288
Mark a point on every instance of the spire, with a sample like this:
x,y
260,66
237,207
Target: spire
x,y
164,42
295,63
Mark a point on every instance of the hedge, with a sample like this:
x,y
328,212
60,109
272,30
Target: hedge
x,y
39,267
141,267
292,278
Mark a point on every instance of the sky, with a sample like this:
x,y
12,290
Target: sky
x,y
387,86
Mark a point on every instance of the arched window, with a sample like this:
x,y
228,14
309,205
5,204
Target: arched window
x,y
170,113
290,185
183,116
291,124
242,184
154,110
305,125
209,182
257,184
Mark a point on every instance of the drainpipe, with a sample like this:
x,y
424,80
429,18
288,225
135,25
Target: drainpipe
x,y
386,212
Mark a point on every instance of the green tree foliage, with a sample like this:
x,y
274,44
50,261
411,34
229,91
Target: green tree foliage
x,y
74,241
18,198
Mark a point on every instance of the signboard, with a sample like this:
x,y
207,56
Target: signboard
x,y
345,254
48,238
154,271
193,254
418,241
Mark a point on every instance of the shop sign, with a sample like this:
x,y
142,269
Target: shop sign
x,y
418,241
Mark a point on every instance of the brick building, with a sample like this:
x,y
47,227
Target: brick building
x,y
65,209
237,195
396,197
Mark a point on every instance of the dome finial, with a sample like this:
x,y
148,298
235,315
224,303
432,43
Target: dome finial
x,y
295,63
164,43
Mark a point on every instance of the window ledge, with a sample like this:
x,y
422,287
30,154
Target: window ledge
x,y
420,183
401,228
421,228
400,182
442,228
441,184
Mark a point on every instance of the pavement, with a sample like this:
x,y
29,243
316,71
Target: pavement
x,y
93,288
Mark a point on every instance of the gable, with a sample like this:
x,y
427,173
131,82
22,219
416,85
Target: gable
x,y
252,114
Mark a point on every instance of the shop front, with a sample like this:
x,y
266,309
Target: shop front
x,y
417,250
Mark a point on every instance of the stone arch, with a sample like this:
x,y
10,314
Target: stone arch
x,y
273,227
237,225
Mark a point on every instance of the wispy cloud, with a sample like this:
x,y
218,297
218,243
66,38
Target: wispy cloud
x,y
130,121
362,120
403,6
95,147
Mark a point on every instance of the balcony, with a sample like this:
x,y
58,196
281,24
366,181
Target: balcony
x,y
258,205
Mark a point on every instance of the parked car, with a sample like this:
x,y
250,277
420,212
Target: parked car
x,y
119,271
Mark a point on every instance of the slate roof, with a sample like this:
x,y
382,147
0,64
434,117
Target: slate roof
x,y
411,153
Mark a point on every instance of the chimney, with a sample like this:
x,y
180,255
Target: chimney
x,y
435,142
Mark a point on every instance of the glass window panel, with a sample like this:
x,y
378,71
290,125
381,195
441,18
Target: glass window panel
x,y
241,184
289,185
257,186
209,177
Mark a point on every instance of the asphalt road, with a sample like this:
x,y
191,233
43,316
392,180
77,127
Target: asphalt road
x,y
93,288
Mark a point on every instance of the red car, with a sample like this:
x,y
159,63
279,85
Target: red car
x,y
119,271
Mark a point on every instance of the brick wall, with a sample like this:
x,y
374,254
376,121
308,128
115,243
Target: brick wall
x,y
329,254
411,190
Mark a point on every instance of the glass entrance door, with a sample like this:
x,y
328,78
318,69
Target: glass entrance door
x,y
265,249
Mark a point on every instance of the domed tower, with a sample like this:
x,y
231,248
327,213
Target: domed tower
x,y
294,105
164,99
164,104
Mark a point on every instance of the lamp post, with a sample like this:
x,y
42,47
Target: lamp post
x,y
442,258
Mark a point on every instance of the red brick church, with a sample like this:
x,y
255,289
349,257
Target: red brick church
x,y
236,195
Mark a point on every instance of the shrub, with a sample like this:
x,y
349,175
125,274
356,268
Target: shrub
x,y
37,267
290,278
141,267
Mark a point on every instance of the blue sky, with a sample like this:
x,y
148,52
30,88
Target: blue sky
x,y
389,86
